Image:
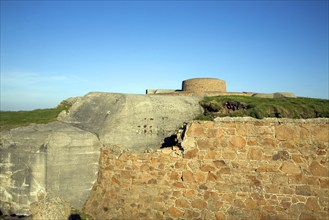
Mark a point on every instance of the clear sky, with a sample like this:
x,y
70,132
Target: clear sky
x,y
52,50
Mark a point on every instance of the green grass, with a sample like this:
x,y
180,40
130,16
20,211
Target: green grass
x,y
214,107
265,107
11,119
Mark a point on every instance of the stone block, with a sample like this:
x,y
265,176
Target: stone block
x,y
250,203
200,177
207,214
272,188
178,185
280,179
191,214
207,168
307,216
290,168
219,163
175,175
199,204
159,206
312,204
322,134
176,193
188,176
182,203
210,195
318,170
324,183
239,203
224,170
220,142
237,141
287,190
204,144
304,134
255,154
115,180
191,154
303,190
285,132
230,131
212,133
297,158
211,154
281,155
174,212
180,165
269,142
189,193
211,177
252,141
167,150
126,174
194,165
311,180
220,215
229,154
289,144
195,130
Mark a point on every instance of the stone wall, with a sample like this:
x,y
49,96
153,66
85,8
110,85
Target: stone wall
x,y
233,168
200,86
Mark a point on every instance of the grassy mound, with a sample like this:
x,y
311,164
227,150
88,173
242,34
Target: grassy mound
x,y
256,107
218,106
10,119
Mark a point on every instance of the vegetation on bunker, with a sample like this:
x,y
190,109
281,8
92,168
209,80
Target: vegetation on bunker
x,y
238,106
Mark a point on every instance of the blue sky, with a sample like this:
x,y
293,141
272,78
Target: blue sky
x,y
52,50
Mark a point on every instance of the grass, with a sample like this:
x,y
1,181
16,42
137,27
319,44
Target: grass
x,y
11,119
264,107
214,107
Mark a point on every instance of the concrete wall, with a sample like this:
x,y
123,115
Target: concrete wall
x,y
159,91
234,168
53,159
135,122
61,158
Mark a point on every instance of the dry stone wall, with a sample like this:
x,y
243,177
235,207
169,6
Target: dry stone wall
x,y
233,168
200,86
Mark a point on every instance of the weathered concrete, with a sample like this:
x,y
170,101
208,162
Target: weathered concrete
x,y
40,159
61,158
137,122
160,91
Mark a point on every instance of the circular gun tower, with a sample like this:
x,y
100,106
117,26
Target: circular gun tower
x,y
200,86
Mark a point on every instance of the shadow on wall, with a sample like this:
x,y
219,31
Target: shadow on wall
x,y
170,141
175,139
74,217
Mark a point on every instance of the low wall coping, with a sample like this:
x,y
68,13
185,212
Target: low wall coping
x,y
273,120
